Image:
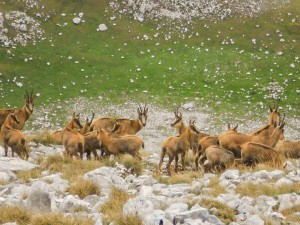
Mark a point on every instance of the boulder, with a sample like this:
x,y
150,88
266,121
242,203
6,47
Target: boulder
x,y
198,213
15,164
255,219
138,206
284,181
39,201
102,27
7,176
71,204
174,209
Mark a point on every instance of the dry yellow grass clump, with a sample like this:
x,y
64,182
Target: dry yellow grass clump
x,y
43,138
23,217
216,188
223,212
177,178
26,175
129,220
255,190
84,188
112,209
71,169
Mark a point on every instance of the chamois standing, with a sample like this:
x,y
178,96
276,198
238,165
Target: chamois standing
x,y
23,114
232,141
117,144
73,141
179,125
131,126
57,135
175,145
288,149
12,137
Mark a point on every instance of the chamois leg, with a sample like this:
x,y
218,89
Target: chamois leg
x,y
182,160
95,154
5,150
176,163
169,164
197,161
162,155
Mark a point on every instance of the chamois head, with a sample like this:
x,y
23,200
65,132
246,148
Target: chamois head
x,y
193,127
29,101
13,118
234,129
89,122
75,121
178,118
274,113
142,114
280,126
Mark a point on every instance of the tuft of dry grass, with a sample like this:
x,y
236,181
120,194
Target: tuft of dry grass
x,y
129,220
42,138
14,214
112,209
223,212
178,178
290,214
57,218
128,161
2,183
26,175
255,190
216,188
84,188
71,169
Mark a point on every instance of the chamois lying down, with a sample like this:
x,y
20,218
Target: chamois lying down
x,y
117,144
288,149
13,138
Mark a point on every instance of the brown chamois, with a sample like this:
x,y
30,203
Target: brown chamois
x,y
130,144
253,153
203,144
179,125
118,129
232,141
131,126
217,157
274,118
22,114
288,149
13,138
91,144
175,145
57,135
73,141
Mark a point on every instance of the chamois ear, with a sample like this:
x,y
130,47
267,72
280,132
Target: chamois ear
x,y
235,128
271,110
228,126
73,115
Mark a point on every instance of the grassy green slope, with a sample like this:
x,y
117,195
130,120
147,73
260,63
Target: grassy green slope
x,y
117,63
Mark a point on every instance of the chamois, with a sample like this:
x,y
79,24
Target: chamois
x,y
23,114
91,144
203,144
253,153
175,145
73,141
131,126
130,144
179,125
274,118
232,141
57,135
288,149
12,137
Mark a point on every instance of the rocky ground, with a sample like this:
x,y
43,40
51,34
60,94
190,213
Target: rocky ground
x,y
151,200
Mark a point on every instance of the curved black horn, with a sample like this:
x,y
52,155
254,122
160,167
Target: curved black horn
x,y
26,94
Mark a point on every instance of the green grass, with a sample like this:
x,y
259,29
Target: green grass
x,y
111,58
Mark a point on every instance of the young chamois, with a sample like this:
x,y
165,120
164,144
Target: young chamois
x,y
12,137
232,141
73,141
253,153
288,149
118,144
175,145
23,114
131,126
57,135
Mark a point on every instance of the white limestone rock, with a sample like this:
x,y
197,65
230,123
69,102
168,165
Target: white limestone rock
x,y
76,20
138,206
102,27
175,209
